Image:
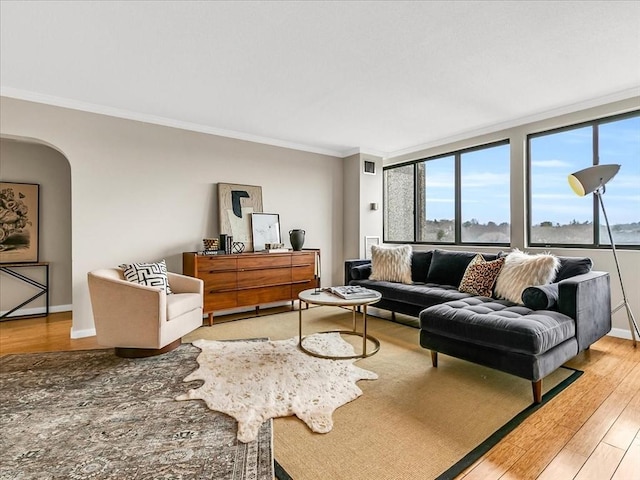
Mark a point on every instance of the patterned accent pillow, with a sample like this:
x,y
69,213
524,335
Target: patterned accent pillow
x,y
149,274
522,270
391,264
480,276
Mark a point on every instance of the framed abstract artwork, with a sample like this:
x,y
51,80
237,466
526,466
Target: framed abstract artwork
x,y
236,203
19,222
265,228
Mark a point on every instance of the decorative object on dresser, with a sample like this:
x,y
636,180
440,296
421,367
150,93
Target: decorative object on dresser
x,y
251,279
296,237
265,228
19,221
211,244
236,203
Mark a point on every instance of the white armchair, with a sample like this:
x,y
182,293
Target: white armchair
x,y
142,321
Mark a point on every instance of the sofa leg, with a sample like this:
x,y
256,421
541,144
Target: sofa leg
x,y
537,391
434,358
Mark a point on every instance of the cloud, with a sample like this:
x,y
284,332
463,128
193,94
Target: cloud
x,y
550,164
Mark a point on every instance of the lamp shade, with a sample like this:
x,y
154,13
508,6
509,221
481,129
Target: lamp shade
x,y
591,179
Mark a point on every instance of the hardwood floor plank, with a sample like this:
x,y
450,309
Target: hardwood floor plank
x,y
602,464
495,463
629,468
564,466
535,460
596,427
626,427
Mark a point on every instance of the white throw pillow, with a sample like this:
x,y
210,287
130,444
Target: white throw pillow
x,y
391,264
522,270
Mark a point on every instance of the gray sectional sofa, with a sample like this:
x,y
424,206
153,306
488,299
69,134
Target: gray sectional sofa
x,y
531,339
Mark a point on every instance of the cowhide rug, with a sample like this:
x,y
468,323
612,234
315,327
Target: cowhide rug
x,y
253,381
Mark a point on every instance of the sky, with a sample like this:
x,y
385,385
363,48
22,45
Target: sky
x,y
485,178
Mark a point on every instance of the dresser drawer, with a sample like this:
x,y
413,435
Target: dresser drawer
x,y
296,288
302,272
215,282
255,296
267,260
216,264
268,277
303,258
220,301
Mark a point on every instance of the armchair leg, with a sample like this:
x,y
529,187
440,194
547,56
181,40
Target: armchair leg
x,y
537,391
434,358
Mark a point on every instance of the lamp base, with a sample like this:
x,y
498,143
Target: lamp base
x,y
633,326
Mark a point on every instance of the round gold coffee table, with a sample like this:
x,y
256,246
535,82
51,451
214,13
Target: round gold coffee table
x,y
319,297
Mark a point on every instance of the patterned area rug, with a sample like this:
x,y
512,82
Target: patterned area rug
x,y
256,381
92,415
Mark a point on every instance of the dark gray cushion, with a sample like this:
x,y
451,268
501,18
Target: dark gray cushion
x,y
447,268
420,262
361,272
541,297
572,266
498,324
424,294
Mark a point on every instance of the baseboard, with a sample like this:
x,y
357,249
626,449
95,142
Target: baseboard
x,y
37,311
620,333
88,332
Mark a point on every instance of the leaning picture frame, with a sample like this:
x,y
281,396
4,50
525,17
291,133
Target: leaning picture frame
x,y
368,242
19,222
236,203
265,228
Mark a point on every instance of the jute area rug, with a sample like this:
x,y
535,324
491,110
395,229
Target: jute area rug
x,y
92,415
415,421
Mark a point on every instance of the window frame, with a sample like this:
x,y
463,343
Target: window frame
x,y
456,154
595,159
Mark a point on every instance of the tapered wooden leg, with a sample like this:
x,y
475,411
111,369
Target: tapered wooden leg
x,y
434,358
210,318
537,391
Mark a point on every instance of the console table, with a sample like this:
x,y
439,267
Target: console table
x,y
43,287
250,279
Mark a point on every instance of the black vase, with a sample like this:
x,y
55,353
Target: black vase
x,y
296,237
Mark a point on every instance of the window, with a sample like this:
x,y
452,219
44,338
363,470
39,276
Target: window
x,y
461,197
559,217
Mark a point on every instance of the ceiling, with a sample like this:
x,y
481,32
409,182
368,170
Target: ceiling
x,y
323,76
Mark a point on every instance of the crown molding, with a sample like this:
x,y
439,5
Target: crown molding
x,y
157,120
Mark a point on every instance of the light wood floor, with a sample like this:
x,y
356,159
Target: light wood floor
x,y
589,431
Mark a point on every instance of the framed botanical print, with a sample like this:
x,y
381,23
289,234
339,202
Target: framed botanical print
x,y
19,222
236,203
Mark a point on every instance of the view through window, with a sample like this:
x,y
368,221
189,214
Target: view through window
x,y
560,217
462,197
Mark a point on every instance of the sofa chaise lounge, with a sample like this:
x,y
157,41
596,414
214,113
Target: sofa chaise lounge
x,y
529,339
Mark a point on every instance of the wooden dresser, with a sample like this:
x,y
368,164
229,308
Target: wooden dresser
x,y
251,279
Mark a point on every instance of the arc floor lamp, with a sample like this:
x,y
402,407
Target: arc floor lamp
x,y
593,180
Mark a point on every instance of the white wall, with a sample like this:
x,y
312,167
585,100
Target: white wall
x,y
146,192
603,259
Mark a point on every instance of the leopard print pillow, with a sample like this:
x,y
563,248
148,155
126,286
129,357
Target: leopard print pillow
x,y
480,276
